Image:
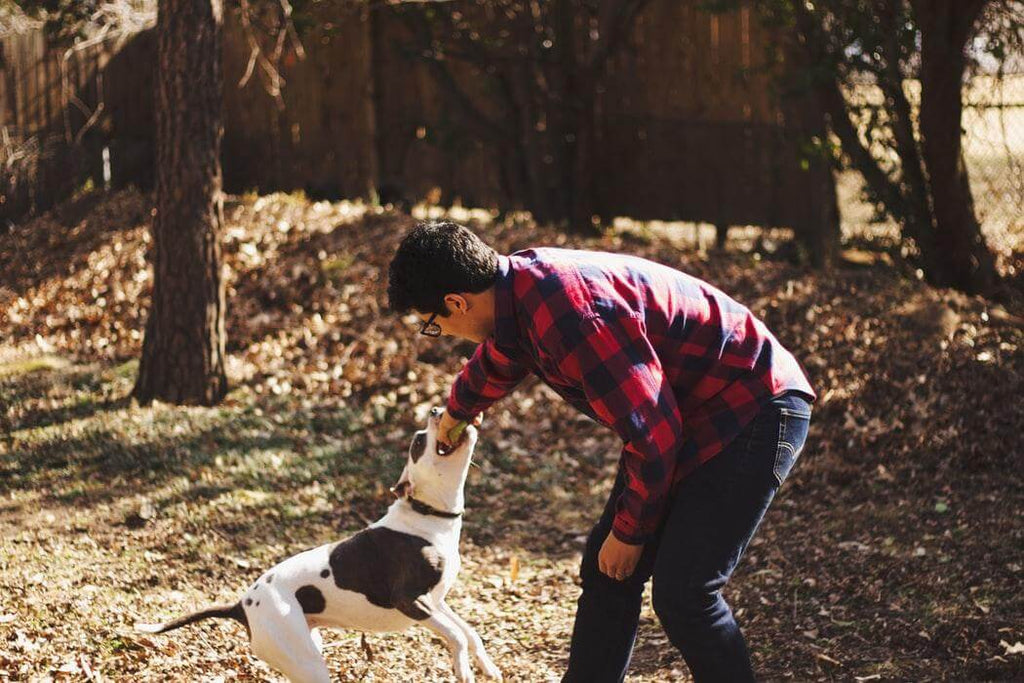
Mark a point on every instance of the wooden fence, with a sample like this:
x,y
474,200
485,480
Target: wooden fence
x,y
688,128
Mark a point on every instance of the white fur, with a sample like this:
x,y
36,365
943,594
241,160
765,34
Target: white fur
x,y
286,639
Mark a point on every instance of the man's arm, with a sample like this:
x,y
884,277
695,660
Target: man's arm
x,y
488,376
625,385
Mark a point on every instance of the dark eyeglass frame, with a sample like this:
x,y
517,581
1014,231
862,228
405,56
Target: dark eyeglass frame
x,y
429,328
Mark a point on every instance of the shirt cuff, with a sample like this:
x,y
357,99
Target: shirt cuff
x,y
460,415
628,533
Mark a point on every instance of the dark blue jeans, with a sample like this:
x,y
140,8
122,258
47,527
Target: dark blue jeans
x,y
714,514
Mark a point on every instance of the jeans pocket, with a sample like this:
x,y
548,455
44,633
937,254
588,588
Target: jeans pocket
x,y
793,427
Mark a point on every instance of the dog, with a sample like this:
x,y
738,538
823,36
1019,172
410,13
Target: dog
x,y
387,577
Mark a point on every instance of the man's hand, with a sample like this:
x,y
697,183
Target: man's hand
x,y
617,559
444,428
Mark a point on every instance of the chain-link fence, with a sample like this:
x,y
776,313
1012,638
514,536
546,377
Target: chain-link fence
x,y
994,148
993,125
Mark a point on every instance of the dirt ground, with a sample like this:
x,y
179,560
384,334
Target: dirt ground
x,y
893,552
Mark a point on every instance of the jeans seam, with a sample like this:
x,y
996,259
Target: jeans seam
x,y
778,448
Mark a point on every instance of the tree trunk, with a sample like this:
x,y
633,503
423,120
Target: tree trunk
x,y
919,223
183,350
961,256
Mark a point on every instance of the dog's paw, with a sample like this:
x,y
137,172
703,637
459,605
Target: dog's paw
x,y
490,670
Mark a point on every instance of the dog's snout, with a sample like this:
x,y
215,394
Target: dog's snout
x,y
435,412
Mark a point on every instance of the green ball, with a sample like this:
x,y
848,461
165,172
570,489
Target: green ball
x,y
455,433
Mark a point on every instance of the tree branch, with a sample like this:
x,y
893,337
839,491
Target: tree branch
x,y
835,106
421,31
614,25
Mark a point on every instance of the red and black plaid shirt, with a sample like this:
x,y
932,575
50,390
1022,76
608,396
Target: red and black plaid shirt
x,y
676,367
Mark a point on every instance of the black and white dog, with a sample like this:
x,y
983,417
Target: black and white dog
x,y
389,576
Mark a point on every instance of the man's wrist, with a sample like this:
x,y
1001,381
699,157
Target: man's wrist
x,y
629,539
459,415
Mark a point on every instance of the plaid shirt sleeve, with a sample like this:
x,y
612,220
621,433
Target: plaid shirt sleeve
x,y
625,384
489,376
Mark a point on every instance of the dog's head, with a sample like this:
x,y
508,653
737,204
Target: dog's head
x,y
433,478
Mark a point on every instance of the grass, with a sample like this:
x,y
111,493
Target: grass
x,y
30,365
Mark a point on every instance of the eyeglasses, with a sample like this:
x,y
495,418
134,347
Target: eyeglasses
x,y
430,328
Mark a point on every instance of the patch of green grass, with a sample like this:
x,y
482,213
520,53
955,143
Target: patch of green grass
x,y
334,268
117,644
69,495
127,370
30,365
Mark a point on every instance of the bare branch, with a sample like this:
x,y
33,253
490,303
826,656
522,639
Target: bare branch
x,y
614,25
835,106
270,65
417,25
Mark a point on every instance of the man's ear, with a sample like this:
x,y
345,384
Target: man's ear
x,y
456,303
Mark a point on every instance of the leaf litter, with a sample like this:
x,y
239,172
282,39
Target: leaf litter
x,y
892,552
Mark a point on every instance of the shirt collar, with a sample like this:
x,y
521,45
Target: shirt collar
x,y
505,328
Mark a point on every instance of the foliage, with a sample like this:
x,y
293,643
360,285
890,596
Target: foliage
x,y
69,21
863,59
525,77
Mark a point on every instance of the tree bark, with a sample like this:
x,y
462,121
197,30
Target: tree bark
x,y
919,223
961,257
183,349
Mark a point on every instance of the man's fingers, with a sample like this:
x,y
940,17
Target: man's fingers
x,y
613,572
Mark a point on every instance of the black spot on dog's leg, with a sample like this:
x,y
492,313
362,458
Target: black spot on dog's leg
x,y
270,577
311,599
325,573
248,601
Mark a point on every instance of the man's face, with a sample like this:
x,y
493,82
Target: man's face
x,y
469,316
452,325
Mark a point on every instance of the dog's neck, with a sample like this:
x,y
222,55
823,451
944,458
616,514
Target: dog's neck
x,y
431,511
449,501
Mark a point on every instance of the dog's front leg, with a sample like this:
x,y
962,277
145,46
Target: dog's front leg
x,y
476,646
318,639
442,624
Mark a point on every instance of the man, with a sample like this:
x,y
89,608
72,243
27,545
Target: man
x,y
711,409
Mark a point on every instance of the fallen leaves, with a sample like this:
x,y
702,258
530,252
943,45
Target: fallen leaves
x,y
110,513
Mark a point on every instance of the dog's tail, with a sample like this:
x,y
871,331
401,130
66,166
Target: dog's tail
x,y
234,611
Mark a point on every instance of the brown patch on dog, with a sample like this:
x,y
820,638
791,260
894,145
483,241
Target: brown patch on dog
x,y
419,446
392,569
311,599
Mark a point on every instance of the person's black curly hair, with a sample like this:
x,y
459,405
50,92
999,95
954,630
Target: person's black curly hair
x,y
438,258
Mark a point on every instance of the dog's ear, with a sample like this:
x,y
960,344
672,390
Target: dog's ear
x,y
404,486
399,489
